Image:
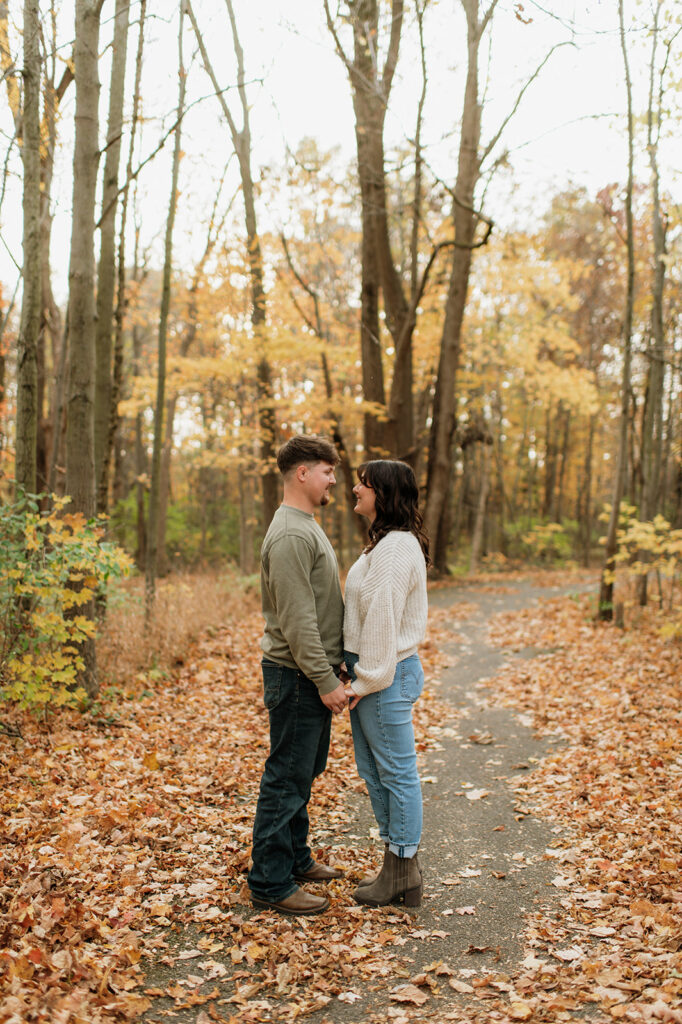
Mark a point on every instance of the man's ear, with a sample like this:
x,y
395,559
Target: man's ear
x,y
301,472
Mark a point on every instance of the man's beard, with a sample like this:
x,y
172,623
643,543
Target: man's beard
x,y
325,499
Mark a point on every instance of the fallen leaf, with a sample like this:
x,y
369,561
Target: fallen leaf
x,y
520,1011
349,997
460,986
409,994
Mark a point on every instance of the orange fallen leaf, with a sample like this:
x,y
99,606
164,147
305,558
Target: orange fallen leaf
x,y
409,994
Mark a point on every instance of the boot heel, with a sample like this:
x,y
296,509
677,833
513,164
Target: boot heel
x,y
413,897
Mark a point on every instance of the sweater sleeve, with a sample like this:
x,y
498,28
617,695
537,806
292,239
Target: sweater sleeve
x,y
291,564
387,585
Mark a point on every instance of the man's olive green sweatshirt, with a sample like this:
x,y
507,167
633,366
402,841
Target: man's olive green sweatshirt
x,y
301,598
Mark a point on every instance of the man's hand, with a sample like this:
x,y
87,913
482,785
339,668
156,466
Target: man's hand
x,y
353,697
336,700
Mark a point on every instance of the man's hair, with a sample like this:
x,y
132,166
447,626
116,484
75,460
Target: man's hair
x,y
305,449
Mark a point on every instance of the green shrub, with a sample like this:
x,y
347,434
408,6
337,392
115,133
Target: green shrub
x,y
536,541
53,563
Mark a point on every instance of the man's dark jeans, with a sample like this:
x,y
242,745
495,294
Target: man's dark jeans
x,y
300,727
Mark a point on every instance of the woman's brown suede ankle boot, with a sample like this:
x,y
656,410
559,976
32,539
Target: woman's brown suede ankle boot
x,y
399,878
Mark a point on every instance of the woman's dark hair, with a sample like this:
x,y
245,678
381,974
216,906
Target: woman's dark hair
x,y
396,498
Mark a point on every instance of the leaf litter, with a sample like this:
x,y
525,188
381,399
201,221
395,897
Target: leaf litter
x,y
121,845
125,834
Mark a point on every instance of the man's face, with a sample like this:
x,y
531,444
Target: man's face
x,y
318,480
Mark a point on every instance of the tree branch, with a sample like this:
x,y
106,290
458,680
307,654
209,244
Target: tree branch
x,y
495,139
211,74
393,47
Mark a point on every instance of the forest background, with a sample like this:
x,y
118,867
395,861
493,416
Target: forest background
x,y
444,232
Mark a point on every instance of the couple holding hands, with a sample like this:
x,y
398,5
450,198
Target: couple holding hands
x,y
317,661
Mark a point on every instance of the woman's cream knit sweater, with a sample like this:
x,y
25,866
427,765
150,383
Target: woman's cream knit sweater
x,y
386,608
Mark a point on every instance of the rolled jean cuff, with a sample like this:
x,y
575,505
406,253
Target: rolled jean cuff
x,y
406,852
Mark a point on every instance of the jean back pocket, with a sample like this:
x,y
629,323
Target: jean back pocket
x,y
411,677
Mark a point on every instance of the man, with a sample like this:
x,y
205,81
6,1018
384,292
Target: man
x,y
302,654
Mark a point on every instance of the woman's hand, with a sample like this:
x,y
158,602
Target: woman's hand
x,y
353,697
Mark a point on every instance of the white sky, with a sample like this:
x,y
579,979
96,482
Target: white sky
x,y
555,139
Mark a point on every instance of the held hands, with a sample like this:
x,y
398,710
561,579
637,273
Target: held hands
x,y
352,696
344,694
349,691
336,700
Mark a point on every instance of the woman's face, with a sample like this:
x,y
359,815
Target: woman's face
x,y
365,500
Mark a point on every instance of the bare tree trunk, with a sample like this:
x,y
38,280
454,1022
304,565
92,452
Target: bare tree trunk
x,y
606,610
141,478
551,449
51,424
106,277
652,426
443,421
80,440
165,484
585,498
371,87
154,492
558,511
479,523
29,331
241,140
140,456
672,419
370,90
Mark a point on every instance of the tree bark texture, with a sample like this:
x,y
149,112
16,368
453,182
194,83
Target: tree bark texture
x,y
479,522
241,140
50,423
106,277
159,408
652,425
80,431
393,431
443,423
605,610
29,331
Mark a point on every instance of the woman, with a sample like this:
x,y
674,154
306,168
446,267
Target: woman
x,y
384,622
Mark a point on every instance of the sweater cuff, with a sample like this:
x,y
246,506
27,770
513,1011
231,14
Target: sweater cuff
x,y
364,689
328,684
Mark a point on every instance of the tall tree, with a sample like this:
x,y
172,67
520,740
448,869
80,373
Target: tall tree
x,y
106,276
27,348
465,220
140,454
605,611
652,426
371,87
50,395
80,434
160,405
50,316
241,141
390,429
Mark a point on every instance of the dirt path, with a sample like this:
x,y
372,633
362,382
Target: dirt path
x,y
484,858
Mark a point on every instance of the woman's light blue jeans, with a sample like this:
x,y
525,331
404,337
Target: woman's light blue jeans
x,y
383,738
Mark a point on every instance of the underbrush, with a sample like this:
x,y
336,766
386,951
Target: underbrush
x,y
130,653
663,610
